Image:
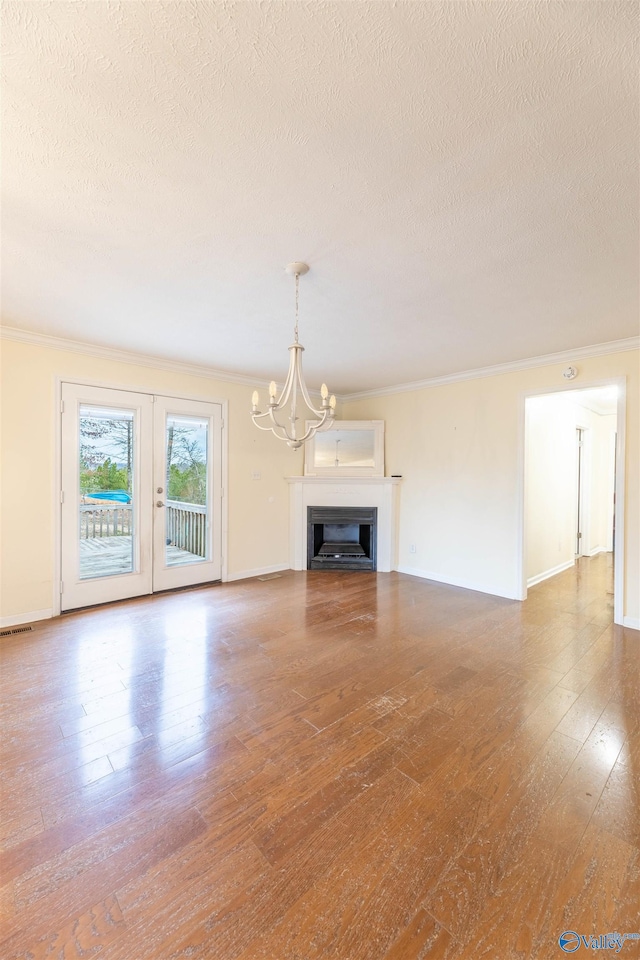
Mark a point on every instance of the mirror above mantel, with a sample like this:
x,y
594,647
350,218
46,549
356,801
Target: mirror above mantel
x,y
349,448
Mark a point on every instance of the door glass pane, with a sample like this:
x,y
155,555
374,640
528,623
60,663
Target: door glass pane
x,y
187,507
105,523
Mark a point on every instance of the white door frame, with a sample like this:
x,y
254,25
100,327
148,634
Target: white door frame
x,y
583,489
56,604
619,561
138,580
171,576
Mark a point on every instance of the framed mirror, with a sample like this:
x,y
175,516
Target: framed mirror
x,y
350,448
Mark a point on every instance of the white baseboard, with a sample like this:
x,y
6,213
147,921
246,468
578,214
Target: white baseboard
x,y
531,582
454,582
21,618
597,550
258,572
633,623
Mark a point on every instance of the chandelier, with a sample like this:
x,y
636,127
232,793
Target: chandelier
x,y
294,388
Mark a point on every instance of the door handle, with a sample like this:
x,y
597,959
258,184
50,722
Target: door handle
x,y
159,503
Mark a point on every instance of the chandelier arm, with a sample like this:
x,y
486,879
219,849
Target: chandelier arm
x,y
284,433
286,390
281,432
284,396
272,428
305,392
313,429
293,413
256,416
277,425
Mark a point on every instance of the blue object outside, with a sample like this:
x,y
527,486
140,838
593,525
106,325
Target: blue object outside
x,y
120,496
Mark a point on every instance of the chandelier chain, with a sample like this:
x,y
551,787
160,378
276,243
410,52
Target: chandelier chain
x,y
295,329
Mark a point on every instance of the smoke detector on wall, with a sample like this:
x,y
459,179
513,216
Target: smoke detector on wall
x,y
570,373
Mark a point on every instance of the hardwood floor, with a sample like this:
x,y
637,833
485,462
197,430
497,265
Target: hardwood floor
x,y
324,765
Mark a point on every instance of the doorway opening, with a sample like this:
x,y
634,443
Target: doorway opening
x,y
572,469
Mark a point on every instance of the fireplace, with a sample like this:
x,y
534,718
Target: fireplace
x,y
341,538
373,493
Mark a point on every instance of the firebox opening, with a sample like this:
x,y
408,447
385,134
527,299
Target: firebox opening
x,y
341,538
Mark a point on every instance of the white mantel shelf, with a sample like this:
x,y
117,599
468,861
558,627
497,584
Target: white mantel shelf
x,y
342,481
380,492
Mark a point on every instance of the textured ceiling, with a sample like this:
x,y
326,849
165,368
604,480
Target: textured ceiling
x,y
462,178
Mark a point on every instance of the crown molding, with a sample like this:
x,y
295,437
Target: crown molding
x,y
566,356
123,356
200,370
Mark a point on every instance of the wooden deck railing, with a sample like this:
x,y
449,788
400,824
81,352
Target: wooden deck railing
x,y
186,524
105,521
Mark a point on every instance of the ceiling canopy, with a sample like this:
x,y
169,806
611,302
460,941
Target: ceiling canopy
x,y
462,178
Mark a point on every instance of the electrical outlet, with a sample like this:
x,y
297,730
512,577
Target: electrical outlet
x,y
256,475
412,548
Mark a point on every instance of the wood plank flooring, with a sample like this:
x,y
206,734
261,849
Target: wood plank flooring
x,y
324,765
109,556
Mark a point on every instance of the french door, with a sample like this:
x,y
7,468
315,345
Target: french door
x,y
141,494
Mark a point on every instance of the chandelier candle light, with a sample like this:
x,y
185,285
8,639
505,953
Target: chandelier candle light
x,y
294,385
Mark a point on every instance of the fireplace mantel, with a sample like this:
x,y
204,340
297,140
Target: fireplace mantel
x,y
380,492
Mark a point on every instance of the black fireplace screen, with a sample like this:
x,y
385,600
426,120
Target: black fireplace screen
x,y
341,538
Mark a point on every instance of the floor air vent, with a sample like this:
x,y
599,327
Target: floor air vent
x,y
270,576
10,633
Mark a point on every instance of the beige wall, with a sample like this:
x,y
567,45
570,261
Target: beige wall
x,y
459,447
603,502
258,516
550,485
